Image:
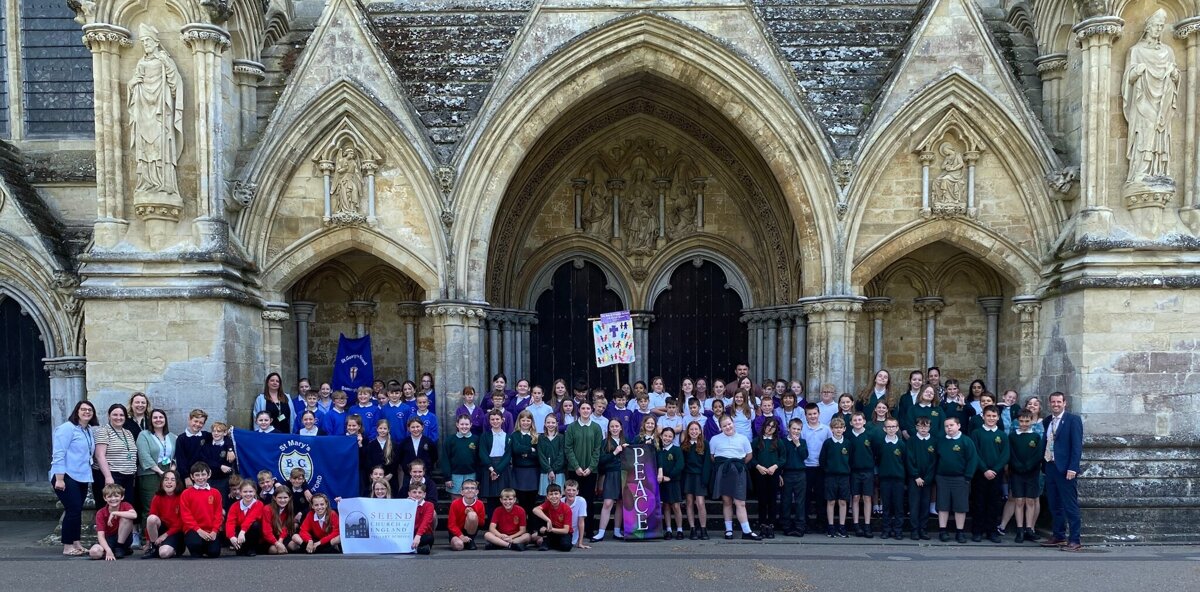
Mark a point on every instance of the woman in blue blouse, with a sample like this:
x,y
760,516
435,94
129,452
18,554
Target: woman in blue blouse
x,y
71,471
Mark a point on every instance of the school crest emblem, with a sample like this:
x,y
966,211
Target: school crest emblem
x,y
930,449
957,448
296,458
934,413
471,446
867,443
896,452
670,456
845,451
1033,444
997,439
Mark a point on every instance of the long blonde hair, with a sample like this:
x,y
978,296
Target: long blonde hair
x,y
532,425
387,446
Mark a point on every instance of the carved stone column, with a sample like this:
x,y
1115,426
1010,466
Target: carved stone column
x,y
616,187
208,43
457,335
771,349
1051,68
1189,31
784,362
698,184
929,307
1096,36
832,322
525,322
663,184
247,74
509,332
1027,308
991,306
926,158
106,42
493,331
800,347
274,317
410,313
641,345
577,187
303,313
876,308
363,313
67,385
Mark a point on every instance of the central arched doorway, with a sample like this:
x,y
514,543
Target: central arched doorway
x,y
697,330
628,188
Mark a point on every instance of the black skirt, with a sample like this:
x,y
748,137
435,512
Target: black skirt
x,y
492,488
729,479
525,478
694,484
670,492
612,486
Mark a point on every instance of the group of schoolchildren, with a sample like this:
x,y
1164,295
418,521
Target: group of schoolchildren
x,y
506,466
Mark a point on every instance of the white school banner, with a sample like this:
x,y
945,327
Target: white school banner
x,y
613,337
377,525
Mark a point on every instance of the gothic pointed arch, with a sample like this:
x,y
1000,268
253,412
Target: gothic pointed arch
x,y
791,145
288,201
311,252
955,109
31,279
539,273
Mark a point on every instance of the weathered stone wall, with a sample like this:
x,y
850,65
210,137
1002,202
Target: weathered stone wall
x,y
203,354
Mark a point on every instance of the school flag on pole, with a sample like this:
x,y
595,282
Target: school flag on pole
x,y
613,338
352,367
330,463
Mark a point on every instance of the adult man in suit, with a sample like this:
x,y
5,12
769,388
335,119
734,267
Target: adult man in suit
x,y
1064,447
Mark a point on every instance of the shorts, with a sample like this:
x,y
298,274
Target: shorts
x,y
953,492
1025,485
456,482
544,482
837,488
118,548
862,482
558,542
174,541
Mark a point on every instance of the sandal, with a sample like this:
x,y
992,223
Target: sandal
x,y
74,552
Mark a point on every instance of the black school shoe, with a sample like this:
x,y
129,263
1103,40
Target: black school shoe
x,y
944,536
830,531
543,546
841,532
470,546
729,535
867,534
1032,535
976,538
517,547
694,534
751,536
961,537
424,550
703,533
151,551
994,537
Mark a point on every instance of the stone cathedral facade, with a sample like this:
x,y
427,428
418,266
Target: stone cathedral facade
x,y
197,192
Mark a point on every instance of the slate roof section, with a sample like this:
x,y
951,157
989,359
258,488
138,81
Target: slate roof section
x,y
842,52
447,57
59,243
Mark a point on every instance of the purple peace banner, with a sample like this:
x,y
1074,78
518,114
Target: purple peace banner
x,y
640,504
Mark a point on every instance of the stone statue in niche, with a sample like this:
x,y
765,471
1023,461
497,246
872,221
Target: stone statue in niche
x,y
641,220
682,218
348,180
598,217
950,188
1150,89
155,118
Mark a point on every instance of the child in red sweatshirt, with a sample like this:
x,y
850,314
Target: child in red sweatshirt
x,y
319,531
244,526
202,512
423,530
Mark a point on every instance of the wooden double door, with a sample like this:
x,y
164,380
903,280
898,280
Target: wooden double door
x,y
696,329
24,398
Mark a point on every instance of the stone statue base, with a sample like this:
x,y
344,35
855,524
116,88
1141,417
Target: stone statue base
x,y
159,212
1146,199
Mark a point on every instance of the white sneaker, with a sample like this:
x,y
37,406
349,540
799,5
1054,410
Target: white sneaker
x,y
137,540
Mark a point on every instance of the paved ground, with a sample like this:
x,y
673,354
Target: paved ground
x,y
782,565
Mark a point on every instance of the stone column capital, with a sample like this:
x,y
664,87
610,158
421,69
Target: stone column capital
x,y
662,183
1187,27
615,184
1026,307
203,37
642,319
275,315
249,71
833,304
65,366
579,184
878,305
929,305
926,157
303,310
454,308
1105,29
1051,64
410,310
698,183
362,310
991,305
103,36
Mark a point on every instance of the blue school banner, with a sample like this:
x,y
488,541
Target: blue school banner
x,y
352,367
330,463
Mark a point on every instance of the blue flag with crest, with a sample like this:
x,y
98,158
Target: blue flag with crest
x,y
352,367
330,463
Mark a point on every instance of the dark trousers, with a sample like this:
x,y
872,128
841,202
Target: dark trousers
x,y
254,539
792,509
587,489
72,497
987,501
1062,495
558,542
426,541
129,482
815,492
198,547
891,496
767,488
918,505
